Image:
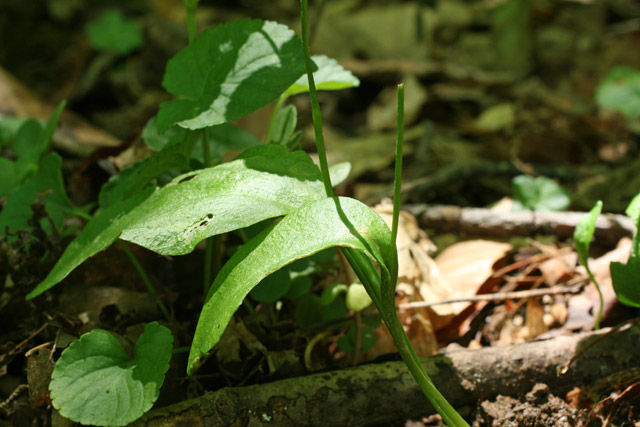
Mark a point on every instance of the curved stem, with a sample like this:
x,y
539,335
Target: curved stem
x,y
596,326
315,105
410,358
145,278
274,115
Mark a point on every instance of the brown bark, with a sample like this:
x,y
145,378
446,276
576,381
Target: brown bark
x,y
385,393
609,228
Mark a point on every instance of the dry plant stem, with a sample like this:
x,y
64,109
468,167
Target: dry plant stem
x,y
498,296
145,279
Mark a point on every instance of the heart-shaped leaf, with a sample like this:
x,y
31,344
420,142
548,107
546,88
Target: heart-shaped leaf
x,y
96,383
314,226
330,75
265,182
112,32
229,71
540,193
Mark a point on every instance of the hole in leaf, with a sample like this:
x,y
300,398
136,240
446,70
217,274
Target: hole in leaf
x,y
187,178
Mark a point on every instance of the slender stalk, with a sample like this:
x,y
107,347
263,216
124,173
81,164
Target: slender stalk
x,y
145,278
276,110
363,266
315,105
397,183
410,358
596,326
191,19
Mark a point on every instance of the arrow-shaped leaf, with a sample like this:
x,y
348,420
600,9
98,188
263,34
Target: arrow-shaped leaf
x,y
315,226
265,182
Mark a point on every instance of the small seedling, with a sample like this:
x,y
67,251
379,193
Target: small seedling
x,y
539,194
620,91
626,277
582,236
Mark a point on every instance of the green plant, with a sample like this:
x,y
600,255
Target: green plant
x,y
620,91
95,382
32,173
582,236
539,194
223,74
625,277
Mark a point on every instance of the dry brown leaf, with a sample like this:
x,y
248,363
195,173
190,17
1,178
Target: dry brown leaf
x,y
465,266
582,308
73,134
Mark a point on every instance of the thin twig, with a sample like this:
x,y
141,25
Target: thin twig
x,y
498,296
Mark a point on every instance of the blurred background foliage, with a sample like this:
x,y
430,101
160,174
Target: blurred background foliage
x,y
495,89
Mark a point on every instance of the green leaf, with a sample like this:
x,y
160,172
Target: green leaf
x,y
223,139
314,226
347,342
633,210
329,76
626,277
137,176
620,91
9,126
339,173
273,287
30,143
17,210
96,383
357,298
626,280
283,126
308,311
112,32
229,71
329,294
300,285
583,232
264,182
98,234
157,140
540,194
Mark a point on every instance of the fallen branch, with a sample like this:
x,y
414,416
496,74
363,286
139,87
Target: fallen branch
x,y
609,228
385,393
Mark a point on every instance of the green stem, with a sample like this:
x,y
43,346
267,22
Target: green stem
x,y
206,151
276,110
191,21
315,105
397,182
410,358
363,266
596,326
145,278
